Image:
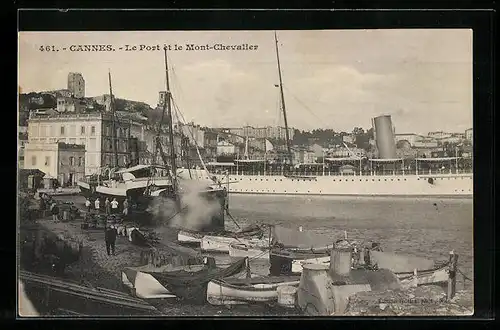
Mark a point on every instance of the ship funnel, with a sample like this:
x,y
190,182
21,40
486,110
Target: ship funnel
x,y
384,137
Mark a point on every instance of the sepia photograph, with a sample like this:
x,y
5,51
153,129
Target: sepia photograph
x,y
245,173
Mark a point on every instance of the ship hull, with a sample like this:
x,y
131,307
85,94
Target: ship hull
x,y
443,185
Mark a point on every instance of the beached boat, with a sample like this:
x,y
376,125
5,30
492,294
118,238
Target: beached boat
x,y
298,264
188,282
185,236
407,269
188,237
281,260
245,291
252,250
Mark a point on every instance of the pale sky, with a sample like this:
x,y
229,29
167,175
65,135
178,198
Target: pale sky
x,y
335,79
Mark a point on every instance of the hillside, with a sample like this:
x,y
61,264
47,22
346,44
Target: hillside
x,y
33,101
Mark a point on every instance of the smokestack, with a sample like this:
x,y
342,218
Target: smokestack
x,y
384,137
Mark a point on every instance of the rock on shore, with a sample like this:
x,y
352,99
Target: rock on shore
x,y
429,300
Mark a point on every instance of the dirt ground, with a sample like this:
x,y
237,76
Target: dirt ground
x,y
96,268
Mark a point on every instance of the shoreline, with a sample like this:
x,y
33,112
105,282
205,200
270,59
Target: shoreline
x,y
95,267
99,269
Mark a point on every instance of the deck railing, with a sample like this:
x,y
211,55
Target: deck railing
x,y
453,171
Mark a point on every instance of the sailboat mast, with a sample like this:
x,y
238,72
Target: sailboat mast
x,y
283,101
113,135
171,135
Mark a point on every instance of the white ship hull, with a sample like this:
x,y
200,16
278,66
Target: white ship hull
x,y
354,185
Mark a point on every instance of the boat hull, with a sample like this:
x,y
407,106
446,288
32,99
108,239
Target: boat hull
x,y
216,244
252,251
185,237
451,185
224,293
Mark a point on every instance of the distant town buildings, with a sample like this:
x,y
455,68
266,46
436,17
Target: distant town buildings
x,y
348,139
92,130
226,148
73,137
468,134
269,132
193,132
61,161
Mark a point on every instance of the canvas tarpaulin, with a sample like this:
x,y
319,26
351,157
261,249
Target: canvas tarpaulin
x,y
291,238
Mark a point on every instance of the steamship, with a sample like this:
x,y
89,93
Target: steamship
x,y
384,176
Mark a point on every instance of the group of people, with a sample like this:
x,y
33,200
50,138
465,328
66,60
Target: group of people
x,y
110,207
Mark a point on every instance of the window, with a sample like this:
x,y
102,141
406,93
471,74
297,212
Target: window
x,y
82,130
33,160
92,130
80,161
47,160
72,161
62,130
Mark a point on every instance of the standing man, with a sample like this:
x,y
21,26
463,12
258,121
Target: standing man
x,y
114,206
55,212
125,208
107,206
97,204
110,238
88,204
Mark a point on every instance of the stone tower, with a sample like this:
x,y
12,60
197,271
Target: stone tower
x,y
76,84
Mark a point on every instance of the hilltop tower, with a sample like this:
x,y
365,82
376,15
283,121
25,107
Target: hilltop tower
x,y
76,84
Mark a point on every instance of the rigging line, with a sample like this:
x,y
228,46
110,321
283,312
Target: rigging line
x,y
176,108
302,103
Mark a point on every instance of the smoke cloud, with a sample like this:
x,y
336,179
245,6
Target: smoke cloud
x,y
197,211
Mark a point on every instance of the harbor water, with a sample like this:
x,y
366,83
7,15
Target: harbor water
x,y
424,227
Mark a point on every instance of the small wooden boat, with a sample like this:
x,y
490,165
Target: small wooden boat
x,y
245,291
249,249
421,277
217,243
297,264
281,260
187,282
186,236
409,270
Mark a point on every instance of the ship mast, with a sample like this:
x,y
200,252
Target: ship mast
x,y
111,103
173,159
283,102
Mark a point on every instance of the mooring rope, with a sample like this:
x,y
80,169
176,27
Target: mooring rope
x,y
465,276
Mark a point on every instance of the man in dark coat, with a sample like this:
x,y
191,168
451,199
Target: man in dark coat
x,y
110,238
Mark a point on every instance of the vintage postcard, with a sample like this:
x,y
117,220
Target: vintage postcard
x,y
215,173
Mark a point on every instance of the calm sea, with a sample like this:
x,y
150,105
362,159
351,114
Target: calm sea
x,y
425,227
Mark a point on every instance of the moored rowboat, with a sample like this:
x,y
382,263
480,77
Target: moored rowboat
x,y
217,243
238,292
194,237
186,237
250,250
